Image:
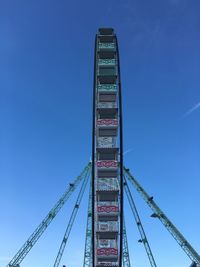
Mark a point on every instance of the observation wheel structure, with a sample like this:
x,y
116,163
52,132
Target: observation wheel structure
x,y
107,153
106,241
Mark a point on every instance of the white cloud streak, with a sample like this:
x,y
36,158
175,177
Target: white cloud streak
x,y
128,151
192,110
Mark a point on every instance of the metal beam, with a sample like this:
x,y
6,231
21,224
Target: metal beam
x,y
136,216
158,213
126,258
93,153
28,245
88,239
70,223
121,159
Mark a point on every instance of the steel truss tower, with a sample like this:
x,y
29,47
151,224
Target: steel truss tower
x,y
106,241
107,153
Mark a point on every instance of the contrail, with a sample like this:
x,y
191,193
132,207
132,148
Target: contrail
x,y
128,151
192,109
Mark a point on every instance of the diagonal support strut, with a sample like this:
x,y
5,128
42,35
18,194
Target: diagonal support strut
x,y
28,245
71,222
88,240
136,216
158,213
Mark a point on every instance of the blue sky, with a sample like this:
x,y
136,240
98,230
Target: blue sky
x,y
46,72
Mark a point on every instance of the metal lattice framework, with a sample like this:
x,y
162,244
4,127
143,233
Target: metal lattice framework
x,y
126,258
88,246
71,221
106,242
88,239
107,153
138,222
24,250
158,213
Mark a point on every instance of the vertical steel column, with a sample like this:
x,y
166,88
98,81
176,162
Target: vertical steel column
x,y
126,258
88,239
93,154
121,158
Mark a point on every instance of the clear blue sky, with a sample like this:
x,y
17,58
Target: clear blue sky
x,y
46,72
